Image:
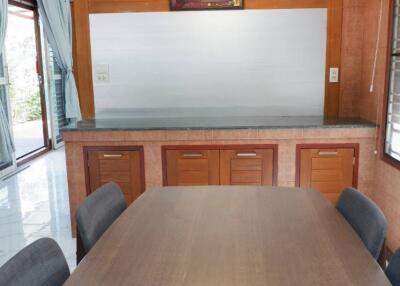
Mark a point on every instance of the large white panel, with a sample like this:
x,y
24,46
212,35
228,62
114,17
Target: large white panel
x,y
260,62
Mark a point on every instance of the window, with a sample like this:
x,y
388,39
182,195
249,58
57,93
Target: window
x,y
392,138
58,98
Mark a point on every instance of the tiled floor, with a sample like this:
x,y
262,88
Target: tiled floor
x,y
34,204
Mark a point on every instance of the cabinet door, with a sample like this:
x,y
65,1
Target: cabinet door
x,y
327,170
247,167
119,166
192,167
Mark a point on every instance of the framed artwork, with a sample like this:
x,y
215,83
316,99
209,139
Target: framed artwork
x,y
180,5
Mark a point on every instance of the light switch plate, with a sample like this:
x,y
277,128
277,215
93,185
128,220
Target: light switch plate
x,y
334,75
102,73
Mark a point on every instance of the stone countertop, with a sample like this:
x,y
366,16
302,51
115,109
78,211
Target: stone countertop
x,y
214,123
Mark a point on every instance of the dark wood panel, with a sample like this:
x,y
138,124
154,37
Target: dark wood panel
x,y
230,236
284,4
115,6
83,57
122,165
333,56
118,6
327,168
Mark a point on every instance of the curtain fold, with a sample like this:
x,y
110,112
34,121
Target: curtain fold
x,y
56,18
7,147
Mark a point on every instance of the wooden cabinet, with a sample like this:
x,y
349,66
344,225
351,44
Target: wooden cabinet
x,y
247,167
122,165
327,168
219,165
192,167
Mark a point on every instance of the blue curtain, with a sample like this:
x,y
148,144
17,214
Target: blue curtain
x,y
57,25
7,147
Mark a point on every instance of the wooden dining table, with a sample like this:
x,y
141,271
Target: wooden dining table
x,y
229,236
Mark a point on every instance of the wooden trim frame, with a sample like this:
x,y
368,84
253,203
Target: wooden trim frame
x,y
82,55
354,146
273,147
333,57
33,155
82,49
385,103
87,149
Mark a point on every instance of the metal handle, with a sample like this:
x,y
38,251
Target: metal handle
x,y
327,153
247,154
193,155
112,155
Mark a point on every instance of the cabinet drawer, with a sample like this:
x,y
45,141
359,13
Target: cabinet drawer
x,y
329,169
247,166
122,165
191,167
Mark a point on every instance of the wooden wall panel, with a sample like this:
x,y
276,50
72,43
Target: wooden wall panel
x,y
82,57
117,6
284,4
333,56
112,6
82,52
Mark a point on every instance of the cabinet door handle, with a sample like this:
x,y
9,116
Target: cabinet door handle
x,y
247,154
112,155
327,153
192,155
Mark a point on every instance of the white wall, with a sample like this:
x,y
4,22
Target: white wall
x,y
250,62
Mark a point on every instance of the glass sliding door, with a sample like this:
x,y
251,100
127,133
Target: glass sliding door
x,y
24,61
7,157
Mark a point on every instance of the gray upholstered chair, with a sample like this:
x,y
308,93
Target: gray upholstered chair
x,y
393,270
41,263
96,214
365,217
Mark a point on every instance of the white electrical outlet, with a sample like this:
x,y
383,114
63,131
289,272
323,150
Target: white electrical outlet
x,y
334,75
102,73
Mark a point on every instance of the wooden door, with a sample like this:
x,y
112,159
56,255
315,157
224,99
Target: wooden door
x,y
247,167
123,167
191,167
329,171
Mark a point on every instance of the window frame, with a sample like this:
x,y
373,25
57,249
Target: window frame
x,y
388,80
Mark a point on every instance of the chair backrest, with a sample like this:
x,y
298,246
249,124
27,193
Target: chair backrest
x,y
393,270
365,217
41,263
98,212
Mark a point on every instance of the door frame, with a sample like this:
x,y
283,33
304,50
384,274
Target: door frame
x,y
39,70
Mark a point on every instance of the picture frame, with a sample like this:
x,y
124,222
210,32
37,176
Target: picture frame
x,y
187,5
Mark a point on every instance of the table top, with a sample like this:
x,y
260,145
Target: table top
x,y
229,236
